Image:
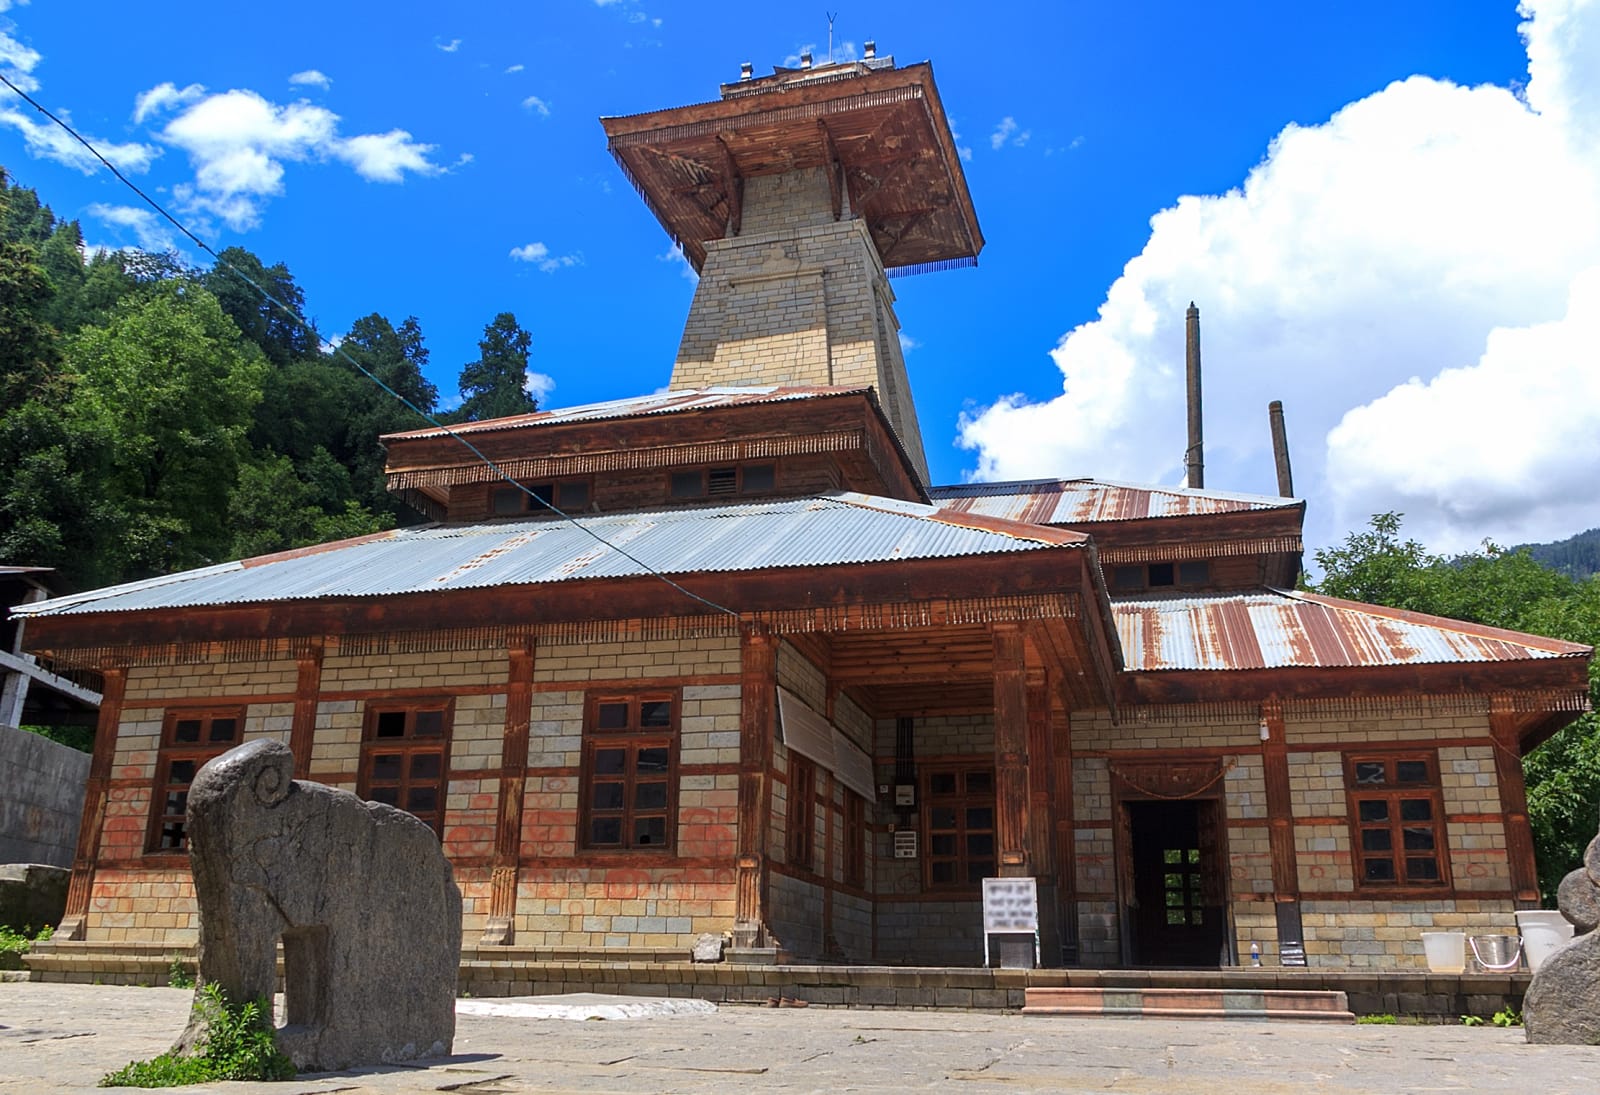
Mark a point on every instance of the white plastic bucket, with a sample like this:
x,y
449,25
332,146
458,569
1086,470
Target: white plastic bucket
x,y
1544,931
1446,952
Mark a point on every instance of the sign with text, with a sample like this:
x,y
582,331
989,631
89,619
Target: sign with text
x,y
905,844
1010,905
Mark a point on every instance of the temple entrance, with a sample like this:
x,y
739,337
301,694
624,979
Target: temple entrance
x,y
1174,912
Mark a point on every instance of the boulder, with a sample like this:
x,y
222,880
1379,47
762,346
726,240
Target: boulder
x,y
1562,1005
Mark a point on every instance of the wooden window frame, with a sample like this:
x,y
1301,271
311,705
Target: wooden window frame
x,y
801,832
1146,584
528,506
1391,792
373,783
197,753
963,800
633,737
855,840
741,490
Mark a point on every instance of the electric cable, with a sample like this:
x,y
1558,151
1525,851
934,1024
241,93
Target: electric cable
x,y
339,351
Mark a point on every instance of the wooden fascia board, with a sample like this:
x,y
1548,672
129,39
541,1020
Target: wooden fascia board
x,y
1178,686
1189,528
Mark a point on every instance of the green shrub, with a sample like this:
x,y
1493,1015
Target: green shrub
x,y
1507,1016
178,975
238,1046
14,944
1377,1020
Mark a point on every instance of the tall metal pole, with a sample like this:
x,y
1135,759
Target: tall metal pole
x,y
1194,456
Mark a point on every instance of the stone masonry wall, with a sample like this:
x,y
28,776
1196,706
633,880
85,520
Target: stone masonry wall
x,y
43,801
1344,924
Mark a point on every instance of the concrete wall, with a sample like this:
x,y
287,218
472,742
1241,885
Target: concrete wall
x,y
42,802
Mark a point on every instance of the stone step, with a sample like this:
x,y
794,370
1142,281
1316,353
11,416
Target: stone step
x,y
1189,1003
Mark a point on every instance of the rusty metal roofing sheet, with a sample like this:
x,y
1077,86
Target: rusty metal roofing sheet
x,y
1275,629
827,530
1083,501
683,399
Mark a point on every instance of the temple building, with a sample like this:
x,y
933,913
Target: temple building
x,y
723,660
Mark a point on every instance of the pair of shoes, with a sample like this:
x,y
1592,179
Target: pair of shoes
x,y
791,1002
773,1002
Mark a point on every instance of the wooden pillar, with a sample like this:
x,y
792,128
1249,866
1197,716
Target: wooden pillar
x,y
1041,834
500,927
1505,728
1011,750
95,795
308,683
758,690
1066,829
1280,807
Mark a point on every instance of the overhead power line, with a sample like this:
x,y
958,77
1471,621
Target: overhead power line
x,y
339,351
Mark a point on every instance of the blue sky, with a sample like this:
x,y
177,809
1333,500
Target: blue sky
x,y
1393,260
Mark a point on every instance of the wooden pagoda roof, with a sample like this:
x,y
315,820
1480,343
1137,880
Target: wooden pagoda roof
x,y
882,131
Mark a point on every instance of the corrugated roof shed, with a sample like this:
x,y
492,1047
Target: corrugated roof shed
x,y
1082,501
1276,629
828,530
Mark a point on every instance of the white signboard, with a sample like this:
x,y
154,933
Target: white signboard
x,y
905,844
1010,905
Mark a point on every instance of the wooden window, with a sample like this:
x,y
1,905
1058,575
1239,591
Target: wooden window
x,y
722,482
802,827
630,777
405,750
855,839
1397,820
568,496
958,811
1161,575
189,738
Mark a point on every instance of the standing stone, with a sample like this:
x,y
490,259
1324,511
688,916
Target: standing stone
x,y
1562,1006
707,948
359,893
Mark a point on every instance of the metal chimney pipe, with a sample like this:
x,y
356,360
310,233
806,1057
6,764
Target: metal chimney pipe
x,y
1280,448
1194,456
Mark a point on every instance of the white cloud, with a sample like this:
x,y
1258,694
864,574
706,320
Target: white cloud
x,y
964,151
537,254
676,256
907,343
153,233
18,61
1007,132
447,47
48,141
537,105
7,5
238,143
164,97
538,385
312,78
1358,274
386,157
514,68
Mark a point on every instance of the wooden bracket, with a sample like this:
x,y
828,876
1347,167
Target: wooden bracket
x,y
735,186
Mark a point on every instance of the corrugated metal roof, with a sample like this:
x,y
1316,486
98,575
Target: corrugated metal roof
x,y
1275,629
684,399
1081,501
828,530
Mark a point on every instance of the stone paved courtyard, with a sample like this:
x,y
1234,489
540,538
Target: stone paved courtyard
x,y
57,1037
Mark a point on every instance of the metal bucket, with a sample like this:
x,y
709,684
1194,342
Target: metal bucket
x,y
1496,953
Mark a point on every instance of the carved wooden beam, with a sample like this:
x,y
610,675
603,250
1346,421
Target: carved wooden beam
x,y
830,159
735,186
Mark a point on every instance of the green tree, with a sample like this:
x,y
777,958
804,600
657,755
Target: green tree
x,y
1507,589
397,356
173,386
495,385
282,338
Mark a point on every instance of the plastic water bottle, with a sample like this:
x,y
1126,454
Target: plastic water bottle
x,y
1255,954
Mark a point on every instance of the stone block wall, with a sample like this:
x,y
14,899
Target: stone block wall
x,y
43,801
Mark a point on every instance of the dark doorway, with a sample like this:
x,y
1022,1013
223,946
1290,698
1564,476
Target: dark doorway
x,y
1178,912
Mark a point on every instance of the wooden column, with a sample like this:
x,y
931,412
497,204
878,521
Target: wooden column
x,y
1506,729
500,928
308,683
1066,830
95,795
758,689
1011,750
1041,835
1280,807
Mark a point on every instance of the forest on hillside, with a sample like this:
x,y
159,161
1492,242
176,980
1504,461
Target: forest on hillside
x,y
1576,556
156,417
